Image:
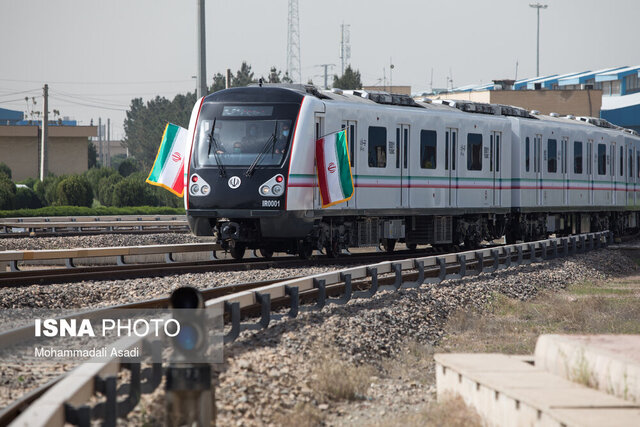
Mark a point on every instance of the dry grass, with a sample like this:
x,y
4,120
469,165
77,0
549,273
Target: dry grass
x,y
451,411
512,326
302,415
338,380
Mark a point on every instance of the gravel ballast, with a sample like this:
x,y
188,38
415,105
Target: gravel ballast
x,y
94,241
270,376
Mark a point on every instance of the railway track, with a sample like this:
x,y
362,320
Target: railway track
x,y
123,269
91,225
261,299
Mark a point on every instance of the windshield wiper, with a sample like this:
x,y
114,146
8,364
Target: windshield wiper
x,y
270,142
213,142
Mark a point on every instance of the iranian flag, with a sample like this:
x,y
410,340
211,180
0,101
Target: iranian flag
x,y
168,168
334,173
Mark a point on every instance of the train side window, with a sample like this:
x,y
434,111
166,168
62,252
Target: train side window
x,y
474,152
630,173
527,154
577,157
428,149
552,155
377,147
621,160
638,162
602,159
351,138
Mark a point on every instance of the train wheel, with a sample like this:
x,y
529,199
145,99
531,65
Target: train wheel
x,y
333,249
389,244
412,246
266,253
237,250
305,251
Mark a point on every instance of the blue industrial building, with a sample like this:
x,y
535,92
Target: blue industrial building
x,y
620,88
621,96
16,118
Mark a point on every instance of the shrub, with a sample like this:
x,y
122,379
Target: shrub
x,y
26,198
74,190
105,189
133,191
5,170
128,167
7,192
47,189
95,175
84,211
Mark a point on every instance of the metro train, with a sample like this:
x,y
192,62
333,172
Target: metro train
x,y
447,173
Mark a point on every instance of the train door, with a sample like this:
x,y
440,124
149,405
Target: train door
x,y
451,143
318,133
495,140
590,160
564,153
352,141
403,134
537,166
612,164
629,175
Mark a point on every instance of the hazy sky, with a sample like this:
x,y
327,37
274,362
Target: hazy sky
x,y
98,55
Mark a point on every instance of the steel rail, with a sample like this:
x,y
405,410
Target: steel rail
x,y
350,283
71,273
56,226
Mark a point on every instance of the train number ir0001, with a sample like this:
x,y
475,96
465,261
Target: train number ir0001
x,y
271,203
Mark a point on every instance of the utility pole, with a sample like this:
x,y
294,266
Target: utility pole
x,y
538,6
391,67
326,73
108,142
202,54
45,134
100,141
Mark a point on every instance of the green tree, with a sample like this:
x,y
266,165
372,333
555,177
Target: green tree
x,y
4,169
93,156
350,80
219,83
244,76
145,124
274,76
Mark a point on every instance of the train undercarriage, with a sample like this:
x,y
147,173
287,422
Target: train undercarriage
x,y
336,234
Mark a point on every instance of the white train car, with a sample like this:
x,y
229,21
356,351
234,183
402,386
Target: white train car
x,y
424,173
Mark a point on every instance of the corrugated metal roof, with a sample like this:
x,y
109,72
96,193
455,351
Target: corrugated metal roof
x,y
583,77
547,82
617,74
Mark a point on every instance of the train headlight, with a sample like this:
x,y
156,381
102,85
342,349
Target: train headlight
x,y
274,187
198,186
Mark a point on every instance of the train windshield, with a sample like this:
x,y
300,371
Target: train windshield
x,y
240,142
